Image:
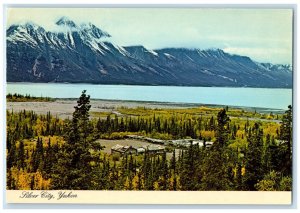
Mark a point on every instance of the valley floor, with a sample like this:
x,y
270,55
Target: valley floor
x,y
63,108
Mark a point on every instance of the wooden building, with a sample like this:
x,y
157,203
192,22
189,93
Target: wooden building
x,y
123,150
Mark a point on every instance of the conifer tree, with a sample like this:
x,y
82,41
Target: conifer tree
x,y
214,169
286,135
38,156
164,173
239,177
254,158
21,156
267,155
9,179
73,170
11,156
173,162
49,159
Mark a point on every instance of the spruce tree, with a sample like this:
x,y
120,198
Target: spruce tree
x,y
188,177
11,156
214,169
286,135
254,158
49,159
267,155
21,156
74,169
38,156
9,179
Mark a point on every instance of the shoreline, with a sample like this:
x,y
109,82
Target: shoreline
x,y
150,85
64,107
184,105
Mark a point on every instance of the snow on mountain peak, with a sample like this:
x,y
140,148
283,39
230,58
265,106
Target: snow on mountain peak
x,y
93,30
77,52
28,27
29,32
88,29
65,21
65,34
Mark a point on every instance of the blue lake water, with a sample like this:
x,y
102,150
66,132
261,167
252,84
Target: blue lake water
x,y
247,97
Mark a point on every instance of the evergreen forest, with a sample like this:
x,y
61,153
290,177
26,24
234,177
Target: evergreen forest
x,y
45,152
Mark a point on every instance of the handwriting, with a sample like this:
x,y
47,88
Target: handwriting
x,y
28,195
62,194
49,195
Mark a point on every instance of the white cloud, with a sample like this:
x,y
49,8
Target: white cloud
x,y
258,33
272,55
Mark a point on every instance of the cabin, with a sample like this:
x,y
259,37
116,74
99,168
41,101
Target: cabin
x,y
188,142
152,140
140,150
123,150
183,142
155,149
208,144
127,150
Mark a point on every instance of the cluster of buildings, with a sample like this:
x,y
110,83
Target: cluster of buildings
x,y
188,142
147,139
177,143
126,150
157,145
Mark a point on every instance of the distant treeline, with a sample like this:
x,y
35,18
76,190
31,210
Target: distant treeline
x,y
24,98
45,152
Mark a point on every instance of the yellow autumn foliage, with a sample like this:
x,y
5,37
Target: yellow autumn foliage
x,y
208,135
271,129
240,133
135,181
156,186
24,179
127,184
243,171
39,182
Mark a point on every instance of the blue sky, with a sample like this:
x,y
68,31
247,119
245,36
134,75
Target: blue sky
x,y
263,34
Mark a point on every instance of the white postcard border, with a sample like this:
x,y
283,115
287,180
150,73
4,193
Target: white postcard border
x,y
148,197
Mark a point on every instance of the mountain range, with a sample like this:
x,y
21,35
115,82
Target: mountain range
x,y
82,54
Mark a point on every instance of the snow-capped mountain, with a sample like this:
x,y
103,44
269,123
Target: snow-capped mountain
x,y
81,53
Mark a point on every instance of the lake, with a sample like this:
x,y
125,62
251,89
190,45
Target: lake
x,y
243,97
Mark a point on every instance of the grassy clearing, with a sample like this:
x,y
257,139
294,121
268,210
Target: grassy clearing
x,y
198,111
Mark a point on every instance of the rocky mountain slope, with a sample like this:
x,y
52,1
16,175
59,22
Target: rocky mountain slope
x,y
81,53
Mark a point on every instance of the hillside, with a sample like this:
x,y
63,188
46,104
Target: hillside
x,y
82,54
